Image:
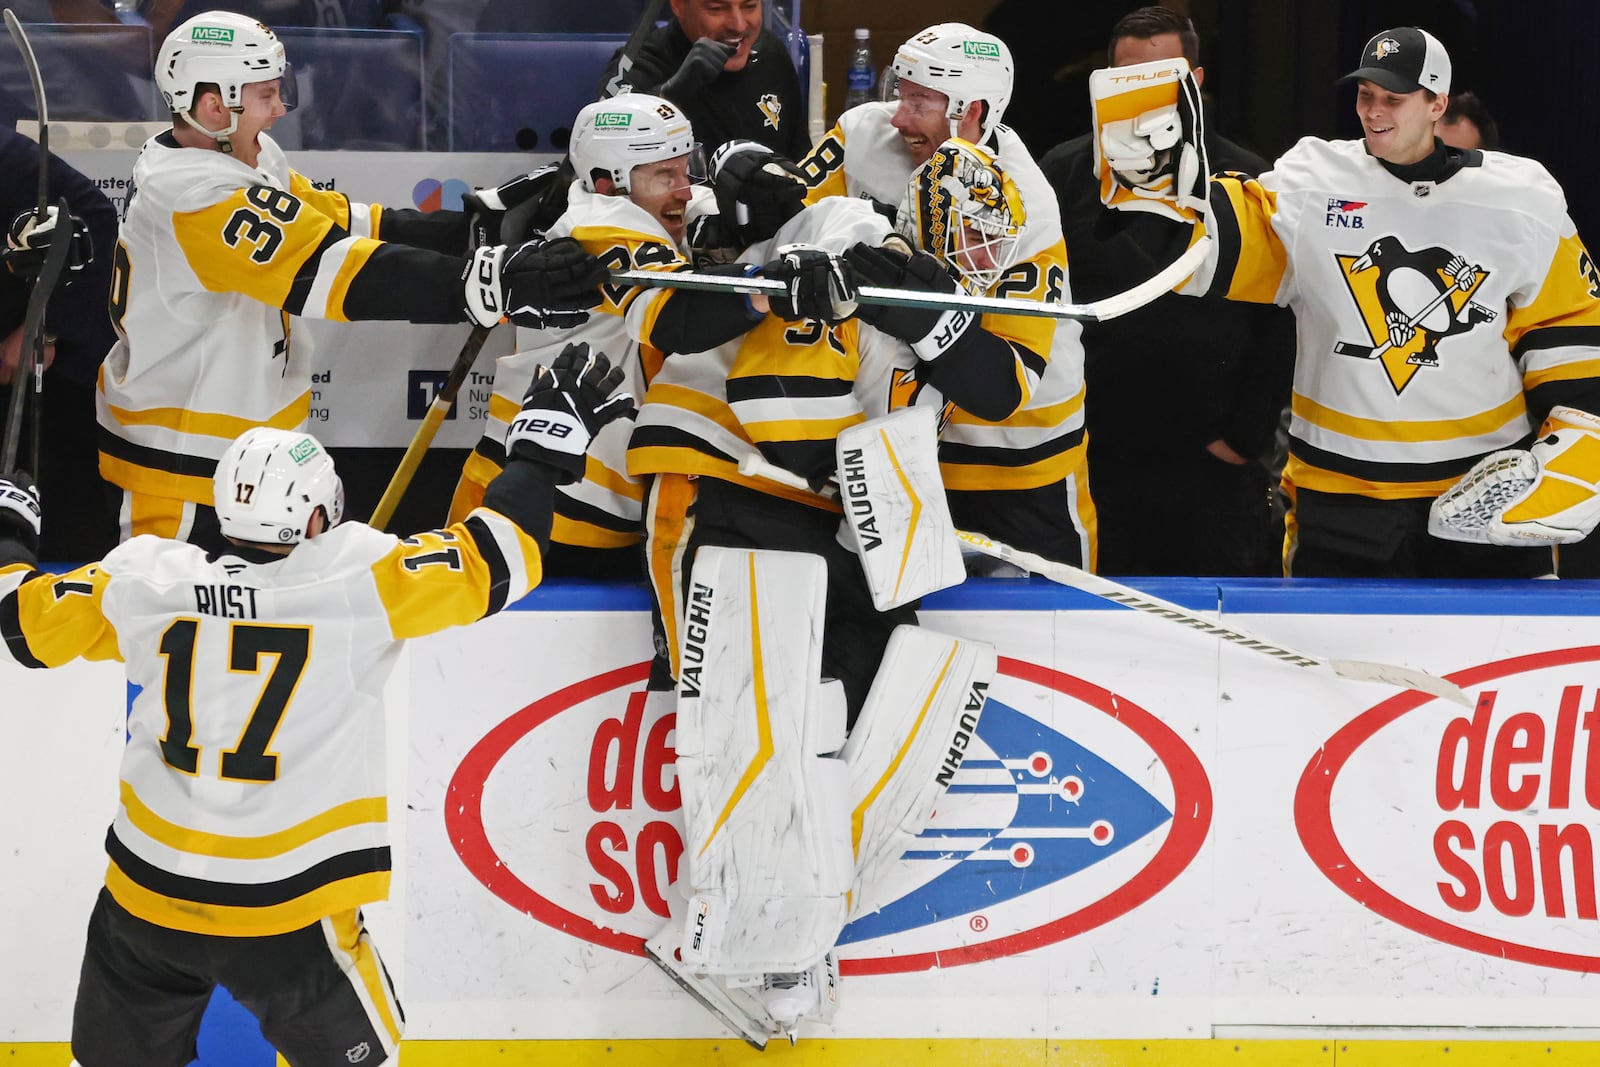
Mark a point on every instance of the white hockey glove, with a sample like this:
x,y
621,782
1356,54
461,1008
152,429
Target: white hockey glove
x,y
1547,495
537,283
565,406
502,215
20,513
1150,151
820,285
28,240
930,332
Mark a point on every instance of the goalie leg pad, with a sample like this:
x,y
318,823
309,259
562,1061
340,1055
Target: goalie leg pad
x,y
1549,494
918,723
740,1010
896,516
764,808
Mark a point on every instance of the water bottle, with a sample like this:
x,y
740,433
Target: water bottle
x,y
862,74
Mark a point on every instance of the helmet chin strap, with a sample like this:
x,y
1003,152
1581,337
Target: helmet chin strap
x,y
220,136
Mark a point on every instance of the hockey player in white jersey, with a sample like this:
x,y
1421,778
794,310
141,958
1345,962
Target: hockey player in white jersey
x,y
223,242
640,182
1018,474
251,826
1446,308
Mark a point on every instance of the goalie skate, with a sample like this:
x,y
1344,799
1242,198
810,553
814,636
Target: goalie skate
x,y
740,1010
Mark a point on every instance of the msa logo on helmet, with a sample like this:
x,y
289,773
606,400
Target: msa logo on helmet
x,y
212,34
980,49
303,451
608,120
1071,807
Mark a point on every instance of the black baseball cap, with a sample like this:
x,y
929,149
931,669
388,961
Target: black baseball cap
x,y
1403,60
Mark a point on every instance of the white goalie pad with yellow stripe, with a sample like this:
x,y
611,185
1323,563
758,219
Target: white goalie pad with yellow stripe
x,y
1548,494
764,803
918,723
896,514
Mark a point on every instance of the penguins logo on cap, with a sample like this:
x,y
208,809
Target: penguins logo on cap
x,y
1386,48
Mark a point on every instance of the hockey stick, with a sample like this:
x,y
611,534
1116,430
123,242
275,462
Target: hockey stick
x,y
1108,308
20,36
443,401
630,49
753,466
1348,348
32,347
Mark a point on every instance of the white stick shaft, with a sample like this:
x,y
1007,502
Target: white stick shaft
x,y
1129,597
1110,307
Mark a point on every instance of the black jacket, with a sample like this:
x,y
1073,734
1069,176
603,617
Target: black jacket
x,y
761,103
1182,371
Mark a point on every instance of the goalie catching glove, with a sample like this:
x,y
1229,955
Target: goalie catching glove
x,y
929,331
819,285
28,240
1547,494
565,406
1150,151
19,516
538,283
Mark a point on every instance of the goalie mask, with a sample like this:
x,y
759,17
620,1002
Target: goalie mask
x,y
614,136
224,49
964,64
270,482
963,208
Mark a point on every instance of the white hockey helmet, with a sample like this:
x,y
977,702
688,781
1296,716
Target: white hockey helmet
x,y
224,49
962,207
614,136
965,64
270,482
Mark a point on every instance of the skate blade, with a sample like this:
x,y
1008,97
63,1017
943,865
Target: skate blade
x,y
754,1029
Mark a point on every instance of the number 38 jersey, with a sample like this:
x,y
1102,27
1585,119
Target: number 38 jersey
x,y
253,785
212,259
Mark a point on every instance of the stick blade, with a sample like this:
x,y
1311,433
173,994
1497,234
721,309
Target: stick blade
x,y
1348,348
1404,677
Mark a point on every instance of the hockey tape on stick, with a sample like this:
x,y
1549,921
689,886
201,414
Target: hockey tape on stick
x,y
1109,308
1116,592
443,401
752,466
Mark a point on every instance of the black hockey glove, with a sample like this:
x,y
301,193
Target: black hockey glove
x,y
565,406
538,283
28,240
19,517
931,332
757,189
704,62
713,240
820,285
502,215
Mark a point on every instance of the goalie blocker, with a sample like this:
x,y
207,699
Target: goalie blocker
x,y
789,827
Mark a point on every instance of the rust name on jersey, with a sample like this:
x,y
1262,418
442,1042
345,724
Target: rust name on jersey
x,y
226,601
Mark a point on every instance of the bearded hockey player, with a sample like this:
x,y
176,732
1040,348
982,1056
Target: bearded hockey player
x,y
1019,473
223,242
639,185
251,827
1445,305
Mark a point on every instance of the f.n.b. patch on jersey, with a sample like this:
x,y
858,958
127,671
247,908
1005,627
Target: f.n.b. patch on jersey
x,y
1345,214
1410,301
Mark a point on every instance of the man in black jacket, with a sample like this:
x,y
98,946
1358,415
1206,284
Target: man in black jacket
x,y
729,74
1185,395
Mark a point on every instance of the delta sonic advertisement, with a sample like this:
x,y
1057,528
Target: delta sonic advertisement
x,y
1150,834
546,842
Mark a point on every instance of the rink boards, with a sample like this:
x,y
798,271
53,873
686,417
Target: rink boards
x,y
1159,838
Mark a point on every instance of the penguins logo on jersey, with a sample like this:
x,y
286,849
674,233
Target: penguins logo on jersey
x,y
771,107
1409,301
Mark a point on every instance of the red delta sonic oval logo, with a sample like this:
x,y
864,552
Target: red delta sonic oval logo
x,y
1040,836
1473,828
